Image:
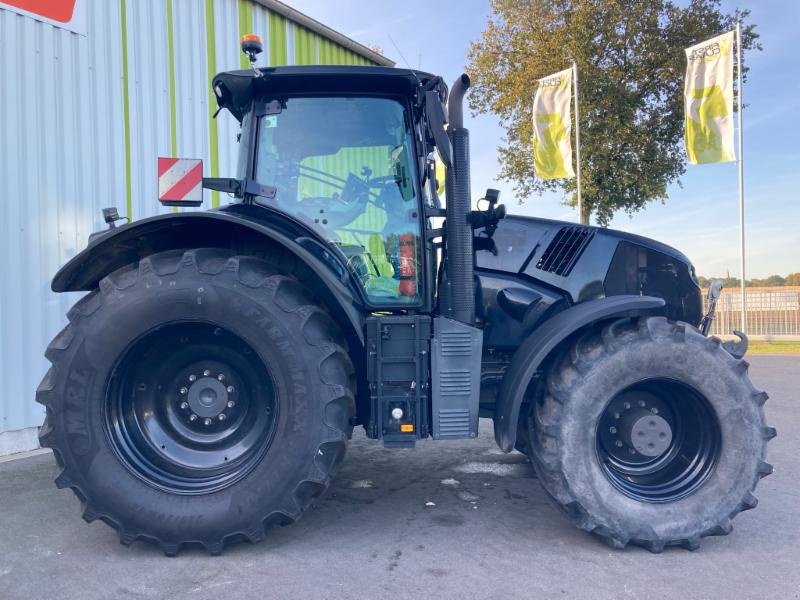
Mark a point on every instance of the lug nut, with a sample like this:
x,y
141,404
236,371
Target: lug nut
x,y
192,377
612,429
184,405
221,377
231,403
221,416
206,373
207,422
619,444
184,390
193,417
230,389
641,403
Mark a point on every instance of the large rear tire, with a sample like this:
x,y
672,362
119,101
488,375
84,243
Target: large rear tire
x,y
196,398
650,434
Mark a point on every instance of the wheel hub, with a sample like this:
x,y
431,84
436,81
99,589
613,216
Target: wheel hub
x,y
650,435
627,431
207,397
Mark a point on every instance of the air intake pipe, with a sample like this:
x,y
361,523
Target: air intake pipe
x,y
460,266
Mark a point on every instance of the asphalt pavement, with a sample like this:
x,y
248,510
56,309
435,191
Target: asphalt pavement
x,y
445,520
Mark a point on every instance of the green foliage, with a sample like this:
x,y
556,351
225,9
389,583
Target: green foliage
x,y
771,281
773,347
631,65
792,279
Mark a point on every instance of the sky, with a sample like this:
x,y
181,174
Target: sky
x,y
701,216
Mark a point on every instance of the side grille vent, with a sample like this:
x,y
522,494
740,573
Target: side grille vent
x,y
456,343
564,250
455,383
454,423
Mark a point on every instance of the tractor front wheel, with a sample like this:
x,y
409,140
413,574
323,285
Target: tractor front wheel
x,y
650,433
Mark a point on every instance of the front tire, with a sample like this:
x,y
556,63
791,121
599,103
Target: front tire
x,y
196,398
650,434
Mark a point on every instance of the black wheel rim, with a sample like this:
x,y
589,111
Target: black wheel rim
x,y
658,440
190,408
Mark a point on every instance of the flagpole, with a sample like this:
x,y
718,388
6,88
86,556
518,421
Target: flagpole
x,y
741,171
577,141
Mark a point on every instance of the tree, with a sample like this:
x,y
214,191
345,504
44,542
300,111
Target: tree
x,y
731,282
631,64
771,281
793,279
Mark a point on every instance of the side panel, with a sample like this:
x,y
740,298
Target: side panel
x,y
510,307
455,379
545,339
637,269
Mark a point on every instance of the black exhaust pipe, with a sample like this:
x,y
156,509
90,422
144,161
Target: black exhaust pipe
x,y
460,266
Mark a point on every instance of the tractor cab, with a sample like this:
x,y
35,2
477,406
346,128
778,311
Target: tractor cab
x,y
343,151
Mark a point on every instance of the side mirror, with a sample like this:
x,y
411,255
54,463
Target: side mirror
x,y
434,109
715,290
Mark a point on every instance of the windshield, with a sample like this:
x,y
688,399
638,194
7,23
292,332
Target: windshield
x,y
344,166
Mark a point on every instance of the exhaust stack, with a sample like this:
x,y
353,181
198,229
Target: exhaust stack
x,y
460,297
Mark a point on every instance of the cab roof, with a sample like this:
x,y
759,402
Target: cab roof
x,y
236,89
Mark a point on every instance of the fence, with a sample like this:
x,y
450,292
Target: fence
x,y
771,312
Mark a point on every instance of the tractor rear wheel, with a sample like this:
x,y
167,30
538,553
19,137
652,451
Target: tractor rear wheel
x,y
196,398
650,433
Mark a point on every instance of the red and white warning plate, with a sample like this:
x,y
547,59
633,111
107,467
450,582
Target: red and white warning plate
x,y
180,181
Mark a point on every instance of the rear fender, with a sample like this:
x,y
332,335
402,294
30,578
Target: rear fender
x,y
130,243
542,341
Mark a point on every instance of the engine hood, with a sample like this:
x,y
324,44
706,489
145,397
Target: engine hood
x,y
586,262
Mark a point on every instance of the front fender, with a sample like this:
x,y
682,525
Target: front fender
x,y
130,243
542,341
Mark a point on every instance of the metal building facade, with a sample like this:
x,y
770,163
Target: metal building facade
x,y
82,120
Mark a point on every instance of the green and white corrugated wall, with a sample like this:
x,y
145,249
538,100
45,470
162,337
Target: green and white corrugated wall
x,y
82,120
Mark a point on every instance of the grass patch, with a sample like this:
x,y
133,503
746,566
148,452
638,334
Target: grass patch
x,y
774,347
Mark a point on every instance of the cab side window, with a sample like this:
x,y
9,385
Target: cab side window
x,y
344,165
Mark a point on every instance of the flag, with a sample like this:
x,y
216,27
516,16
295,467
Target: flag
x,y
552,149
708,101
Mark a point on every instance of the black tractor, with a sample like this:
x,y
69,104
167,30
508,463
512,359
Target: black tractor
x,y
207,384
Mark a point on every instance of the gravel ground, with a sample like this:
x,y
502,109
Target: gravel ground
x,y
490,533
